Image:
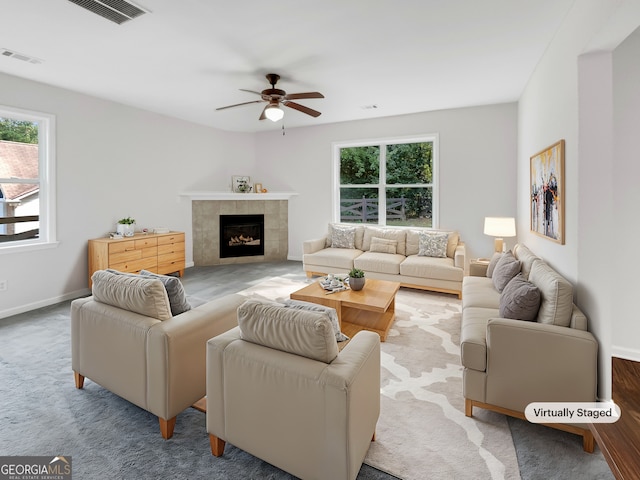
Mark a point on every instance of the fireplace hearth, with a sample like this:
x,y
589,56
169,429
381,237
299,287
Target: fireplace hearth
x,y
241,235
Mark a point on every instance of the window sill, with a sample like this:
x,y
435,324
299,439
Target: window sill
x,y
27,247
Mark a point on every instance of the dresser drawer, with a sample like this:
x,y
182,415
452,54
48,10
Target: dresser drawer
x,y
172,238
134,266
147,242
125,256
171,248
122,246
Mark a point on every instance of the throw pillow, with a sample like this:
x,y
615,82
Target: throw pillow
x,y
383,245
343,237
146,296
301,332
506,268
175,291
433,244
520,299
313,307
492,264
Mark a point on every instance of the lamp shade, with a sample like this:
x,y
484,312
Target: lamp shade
x,y
273,113
500,226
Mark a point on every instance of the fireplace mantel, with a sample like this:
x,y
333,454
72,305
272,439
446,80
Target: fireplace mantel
x,y
238,196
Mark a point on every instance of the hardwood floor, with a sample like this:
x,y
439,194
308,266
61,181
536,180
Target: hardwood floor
x,y
620,441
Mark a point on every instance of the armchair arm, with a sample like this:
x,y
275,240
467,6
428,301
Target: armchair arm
x,y
315,245
532,362
176,353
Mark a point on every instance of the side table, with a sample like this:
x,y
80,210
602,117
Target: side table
x,y
478,267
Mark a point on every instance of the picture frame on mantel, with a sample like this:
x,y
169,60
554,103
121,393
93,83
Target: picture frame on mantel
x,y
241,184
547,193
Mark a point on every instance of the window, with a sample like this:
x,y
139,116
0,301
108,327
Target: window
x,y
388,182
27,183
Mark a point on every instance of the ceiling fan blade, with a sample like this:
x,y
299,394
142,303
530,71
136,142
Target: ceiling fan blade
x,y
302,108
299,96
262,115
250,91
239,104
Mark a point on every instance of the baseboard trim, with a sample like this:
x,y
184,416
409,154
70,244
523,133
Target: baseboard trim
x,y
44,303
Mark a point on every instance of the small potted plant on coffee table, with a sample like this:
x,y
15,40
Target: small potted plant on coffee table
x,y
356,279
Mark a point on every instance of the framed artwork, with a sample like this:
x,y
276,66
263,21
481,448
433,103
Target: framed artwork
x,y
241,183
547,193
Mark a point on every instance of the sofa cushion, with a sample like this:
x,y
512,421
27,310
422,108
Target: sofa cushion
x,y
492,263
383,245
301,332
431,267
314,307
175,291
556,295
413,241
433,244
479,292
343,236
388,233
506,268
526,257
520,299
332,258
379,262
143,295
358,235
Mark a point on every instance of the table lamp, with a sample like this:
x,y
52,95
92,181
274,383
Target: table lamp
x,y
500,227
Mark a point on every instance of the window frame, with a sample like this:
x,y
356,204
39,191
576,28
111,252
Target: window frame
x,y
47,180
382,185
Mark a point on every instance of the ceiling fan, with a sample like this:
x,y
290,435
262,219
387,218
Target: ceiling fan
x,y
276,97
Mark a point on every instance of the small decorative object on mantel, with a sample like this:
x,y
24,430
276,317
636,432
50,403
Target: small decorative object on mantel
x,y
126,226
241,183
257,187
356,279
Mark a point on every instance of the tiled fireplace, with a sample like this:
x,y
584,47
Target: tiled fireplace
x,y
206,215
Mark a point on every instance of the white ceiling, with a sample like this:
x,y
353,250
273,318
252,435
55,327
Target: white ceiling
x,y
186,58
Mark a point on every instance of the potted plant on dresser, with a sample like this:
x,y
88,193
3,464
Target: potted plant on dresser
x,y
126,226
356,279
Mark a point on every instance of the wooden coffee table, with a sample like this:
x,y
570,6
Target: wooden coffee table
x,y
372,308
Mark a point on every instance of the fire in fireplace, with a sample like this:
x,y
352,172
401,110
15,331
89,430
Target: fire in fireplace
x,y
241,235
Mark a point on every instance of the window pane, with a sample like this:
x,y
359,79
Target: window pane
x,y
19,159
410,163
359,205
410,206
359,165
19,209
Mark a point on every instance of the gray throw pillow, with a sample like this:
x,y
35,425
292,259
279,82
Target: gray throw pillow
x,y
520,299
175,291
492,264
313,307
506,268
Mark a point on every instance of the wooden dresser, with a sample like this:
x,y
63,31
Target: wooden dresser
x,y
156,252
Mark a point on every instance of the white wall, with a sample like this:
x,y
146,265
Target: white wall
x,y
569,96
626,198
477,168
113,161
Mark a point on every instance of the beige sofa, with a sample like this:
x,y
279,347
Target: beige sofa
x,y
510,363
125,338
388,253
278,388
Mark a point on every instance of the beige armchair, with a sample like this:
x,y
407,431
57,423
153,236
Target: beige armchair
x,y
138,350
278,388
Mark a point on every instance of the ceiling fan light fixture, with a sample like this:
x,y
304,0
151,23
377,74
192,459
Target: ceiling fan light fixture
x,y
274,113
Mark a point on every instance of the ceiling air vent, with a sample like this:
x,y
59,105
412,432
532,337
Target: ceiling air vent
x,y
19,56
117,11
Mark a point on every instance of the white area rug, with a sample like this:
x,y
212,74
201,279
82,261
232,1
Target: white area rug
x,y
422,432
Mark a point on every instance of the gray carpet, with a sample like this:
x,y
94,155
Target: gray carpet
x,y
42,413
